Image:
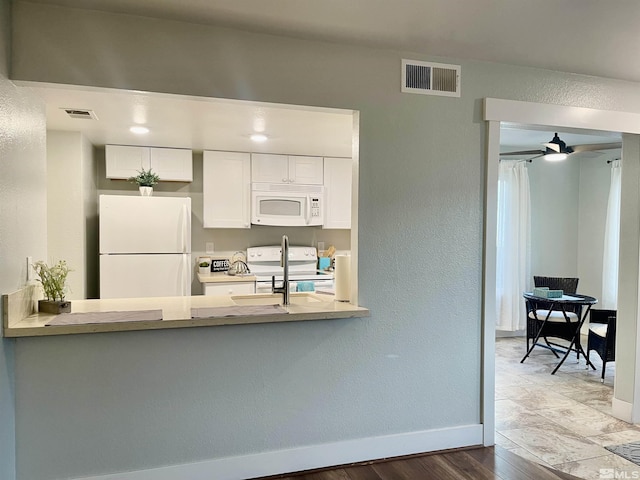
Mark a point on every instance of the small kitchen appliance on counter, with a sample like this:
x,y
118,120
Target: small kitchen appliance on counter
x,y
238,265
264,263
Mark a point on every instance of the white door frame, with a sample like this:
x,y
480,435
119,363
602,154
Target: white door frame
x,y
496,111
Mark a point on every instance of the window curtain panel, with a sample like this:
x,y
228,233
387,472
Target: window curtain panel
x,y
612,240
513,269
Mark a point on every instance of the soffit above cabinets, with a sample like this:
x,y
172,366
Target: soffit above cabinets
x,y
197,123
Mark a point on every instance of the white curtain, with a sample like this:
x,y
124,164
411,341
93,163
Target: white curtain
x,y
514,245
612,240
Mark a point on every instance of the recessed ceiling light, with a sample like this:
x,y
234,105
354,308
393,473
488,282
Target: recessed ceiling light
x,y
139,129
259,137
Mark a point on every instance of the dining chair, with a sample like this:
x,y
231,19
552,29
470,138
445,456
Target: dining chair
x,y
602,336
559,324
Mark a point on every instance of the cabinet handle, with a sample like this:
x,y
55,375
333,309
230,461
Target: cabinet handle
x,y
285,180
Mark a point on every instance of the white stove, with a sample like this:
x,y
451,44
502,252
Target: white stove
x,y
264,263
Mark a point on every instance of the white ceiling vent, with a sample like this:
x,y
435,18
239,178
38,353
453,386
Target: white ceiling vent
x,y
430,78
81,113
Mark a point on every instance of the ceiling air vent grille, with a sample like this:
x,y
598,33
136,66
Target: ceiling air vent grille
x,y
430,78
81,113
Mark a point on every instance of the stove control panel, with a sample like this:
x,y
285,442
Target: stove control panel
x,y
273,253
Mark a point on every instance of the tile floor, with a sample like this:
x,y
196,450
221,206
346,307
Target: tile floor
x,y
562,420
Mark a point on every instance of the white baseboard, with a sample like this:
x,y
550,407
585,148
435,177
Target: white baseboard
x,y
306,458
622,410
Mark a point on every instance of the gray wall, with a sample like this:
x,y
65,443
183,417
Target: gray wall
x,y
22,219
137,400
568,215
555,196
595,180
72,209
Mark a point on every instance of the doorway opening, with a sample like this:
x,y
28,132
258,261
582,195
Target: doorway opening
x,y
497,111
551,222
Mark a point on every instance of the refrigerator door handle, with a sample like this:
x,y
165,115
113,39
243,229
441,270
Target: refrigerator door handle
x,y
186,227
185,269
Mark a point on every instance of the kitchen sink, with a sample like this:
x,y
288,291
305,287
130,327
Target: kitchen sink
x,y
276,299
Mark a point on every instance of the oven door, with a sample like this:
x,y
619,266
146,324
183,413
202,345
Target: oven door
x,y
286,209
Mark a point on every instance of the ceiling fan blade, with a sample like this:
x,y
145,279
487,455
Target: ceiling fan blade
x,y
553,146
523,152
596,146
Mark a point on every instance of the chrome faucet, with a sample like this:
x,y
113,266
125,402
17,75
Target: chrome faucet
x,y
284,263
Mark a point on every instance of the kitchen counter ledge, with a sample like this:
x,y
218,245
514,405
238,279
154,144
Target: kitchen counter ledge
x,y
19,321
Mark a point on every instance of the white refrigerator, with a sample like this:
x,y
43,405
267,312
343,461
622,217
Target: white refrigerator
x,y
145,246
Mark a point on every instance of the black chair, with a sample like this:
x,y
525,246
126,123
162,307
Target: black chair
x,y
560,324
602,336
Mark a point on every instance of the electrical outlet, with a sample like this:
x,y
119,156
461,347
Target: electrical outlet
x,y
30,270
209,247
320,246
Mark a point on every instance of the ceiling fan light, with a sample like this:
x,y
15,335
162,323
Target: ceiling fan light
x,y
555,157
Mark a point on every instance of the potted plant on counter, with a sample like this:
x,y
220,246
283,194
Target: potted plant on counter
x,y
204,267
53,280
145,180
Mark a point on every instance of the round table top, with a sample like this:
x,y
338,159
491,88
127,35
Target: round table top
x,y
571,298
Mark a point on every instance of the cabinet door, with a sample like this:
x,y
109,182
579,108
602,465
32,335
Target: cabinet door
x,y
226,189
337,192
269,168
230,288
305,170
123,161
173,164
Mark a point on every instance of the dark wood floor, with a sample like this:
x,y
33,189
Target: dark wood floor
x,y
472,464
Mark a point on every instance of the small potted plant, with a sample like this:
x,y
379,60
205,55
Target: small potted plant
x,y
53,279
145,180
204,267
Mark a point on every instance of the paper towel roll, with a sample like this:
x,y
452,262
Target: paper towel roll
x,y
343,278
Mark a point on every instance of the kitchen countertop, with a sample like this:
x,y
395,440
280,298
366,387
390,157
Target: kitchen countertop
x,y
222,277
18,321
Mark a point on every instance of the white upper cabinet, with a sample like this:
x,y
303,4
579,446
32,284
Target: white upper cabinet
x,y
306,170
175,164
123,161
226,189
170,164
270,168
337,197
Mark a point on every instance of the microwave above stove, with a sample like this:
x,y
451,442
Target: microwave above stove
x,y
287,205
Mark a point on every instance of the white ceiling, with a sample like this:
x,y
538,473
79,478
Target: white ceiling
x,y
592,37
544,33
197,123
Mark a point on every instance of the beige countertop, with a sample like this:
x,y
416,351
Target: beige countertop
x,y
18,321
222,277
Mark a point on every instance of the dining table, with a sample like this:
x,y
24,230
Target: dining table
x,y
564,304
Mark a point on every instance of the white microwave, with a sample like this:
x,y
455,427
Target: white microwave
x,y
287,205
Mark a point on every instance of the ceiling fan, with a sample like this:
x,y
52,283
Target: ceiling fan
x,y
557,150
